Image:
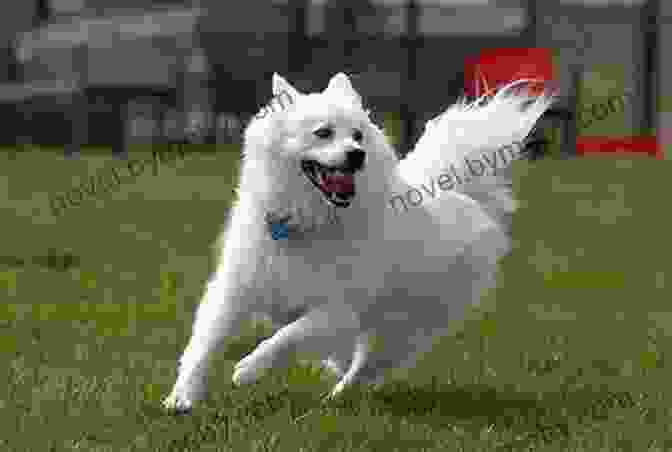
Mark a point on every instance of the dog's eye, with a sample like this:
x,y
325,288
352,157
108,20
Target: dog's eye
x,y
324,133
357,136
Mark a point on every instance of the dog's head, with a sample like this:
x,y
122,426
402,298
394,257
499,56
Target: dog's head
x,y
327,137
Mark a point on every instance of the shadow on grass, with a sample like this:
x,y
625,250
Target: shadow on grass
x,y
522,419
546,419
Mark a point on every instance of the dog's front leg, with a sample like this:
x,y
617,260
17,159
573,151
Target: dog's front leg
x,y
319,331
219,315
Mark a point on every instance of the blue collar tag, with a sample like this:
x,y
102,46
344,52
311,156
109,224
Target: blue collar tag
x,y
279,231
277,225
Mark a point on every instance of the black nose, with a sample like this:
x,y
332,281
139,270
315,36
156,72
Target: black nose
x,y
355,159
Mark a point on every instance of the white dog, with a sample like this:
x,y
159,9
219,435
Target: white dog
x,y
353,265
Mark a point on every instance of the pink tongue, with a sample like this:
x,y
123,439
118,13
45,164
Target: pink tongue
x,y
339,184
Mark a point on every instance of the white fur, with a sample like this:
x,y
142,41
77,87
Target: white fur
x,y
398,276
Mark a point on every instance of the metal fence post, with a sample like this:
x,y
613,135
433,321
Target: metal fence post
x,y
410,75
78,108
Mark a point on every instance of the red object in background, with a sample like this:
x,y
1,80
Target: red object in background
x,y
493,68
623,146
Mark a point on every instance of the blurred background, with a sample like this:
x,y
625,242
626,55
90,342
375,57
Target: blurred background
x,y
113,72
88,352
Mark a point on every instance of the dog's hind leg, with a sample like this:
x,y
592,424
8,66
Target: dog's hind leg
x,y
217,317
403,339
316,332
340,358
356,363
369,366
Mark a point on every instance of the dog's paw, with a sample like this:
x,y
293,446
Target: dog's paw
x,y
249,369
177,403
333,367
182,399
349,381
336,391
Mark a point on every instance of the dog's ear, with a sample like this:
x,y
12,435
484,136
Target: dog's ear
x,y
281,85
340,84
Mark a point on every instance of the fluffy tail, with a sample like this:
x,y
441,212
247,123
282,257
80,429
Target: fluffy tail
x,y
481,135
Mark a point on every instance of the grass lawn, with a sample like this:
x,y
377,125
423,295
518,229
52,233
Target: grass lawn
x,y
569,353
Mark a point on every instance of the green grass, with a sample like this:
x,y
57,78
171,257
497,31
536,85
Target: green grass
x,y
569,353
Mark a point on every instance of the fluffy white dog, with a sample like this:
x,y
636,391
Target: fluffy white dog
x,y
318,240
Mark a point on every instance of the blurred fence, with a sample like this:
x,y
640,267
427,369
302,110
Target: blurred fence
x,y
406,58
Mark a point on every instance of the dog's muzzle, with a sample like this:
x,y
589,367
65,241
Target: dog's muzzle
x,y
336,183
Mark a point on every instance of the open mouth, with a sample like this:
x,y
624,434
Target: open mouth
x,y
337,184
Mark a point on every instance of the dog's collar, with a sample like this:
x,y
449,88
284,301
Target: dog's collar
x,y
283,224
